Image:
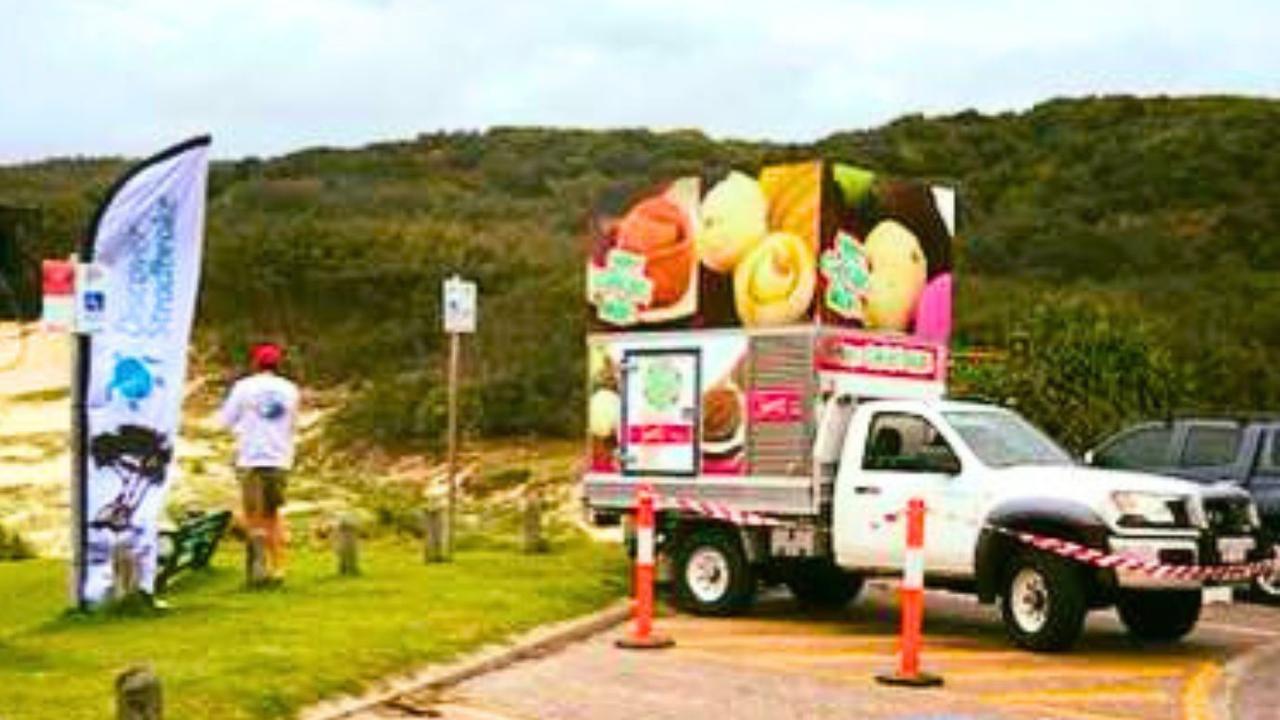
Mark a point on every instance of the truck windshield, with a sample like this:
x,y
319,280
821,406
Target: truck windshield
x,y
1003,439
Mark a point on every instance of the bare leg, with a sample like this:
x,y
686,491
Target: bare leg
x,y
275,545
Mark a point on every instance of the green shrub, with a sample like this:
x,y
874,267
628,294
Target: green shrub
x,y
13,546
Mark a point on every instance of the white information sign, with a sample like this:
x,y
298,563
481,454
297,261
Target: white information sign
x,y
91,298
459,305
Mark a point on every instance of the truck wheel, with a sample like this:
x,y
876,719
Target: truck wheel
x,y
1159,616
821,584
1043,604
1266,588
713,576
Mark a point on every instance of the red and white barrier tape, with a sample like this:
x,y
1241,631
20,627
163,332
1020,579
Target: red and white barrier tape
x,y
719,511
1098,558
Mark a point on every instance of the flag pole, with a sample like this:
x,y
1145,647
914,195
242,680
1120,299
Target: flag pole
x,y
80,349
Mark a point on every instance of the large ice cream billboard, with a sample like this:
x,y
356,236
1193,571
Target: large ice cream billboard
x,y
794,243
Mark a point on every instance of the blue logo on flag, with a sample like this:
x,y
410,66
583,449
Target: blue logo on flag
x,y
133,380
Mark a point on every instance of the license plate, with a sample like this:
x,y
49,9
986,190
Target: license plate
x,y
1234,550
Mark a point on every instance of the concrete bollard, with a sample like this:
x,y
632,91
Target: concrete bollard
x,y
347,546
124,572
533,541
138,695
256,574
433,521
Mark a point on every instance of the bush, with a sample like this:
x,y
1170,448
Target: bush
x,y
13,546
1087,370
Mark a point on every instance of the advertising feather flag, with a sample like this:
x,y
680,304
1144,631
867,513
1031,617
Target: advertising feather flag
x,y
145,242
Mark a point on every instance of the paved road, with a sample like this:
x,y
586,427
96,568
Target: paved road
x,y
778,664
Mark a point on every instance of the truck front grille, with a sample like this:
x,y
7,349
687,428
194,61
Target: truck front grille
x,y
1227,515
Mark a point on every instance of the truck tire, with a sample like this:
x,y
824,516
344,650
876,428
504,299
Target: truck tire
x,y
1043,603
1266,589
712,575
1159,615
821,584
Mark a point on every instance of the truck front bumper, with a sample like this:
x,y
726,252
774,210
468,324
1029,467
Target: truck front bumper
x,y
1183,551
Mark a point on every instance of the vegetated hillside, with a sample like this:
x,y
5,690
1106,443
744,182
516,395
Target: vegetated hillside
x,y
1157,215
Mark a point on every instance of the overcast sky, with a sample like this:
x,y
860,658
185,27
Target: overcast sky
x,y
95,77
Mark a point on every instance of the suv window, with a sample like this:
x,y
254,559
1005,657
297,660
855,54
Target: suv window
x,y
1141,448
906,443
1210,445
1269,458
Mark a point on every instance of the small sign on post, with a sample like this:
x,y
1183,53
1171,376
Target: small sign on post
x,y
91,298
58,281
459,306
459,318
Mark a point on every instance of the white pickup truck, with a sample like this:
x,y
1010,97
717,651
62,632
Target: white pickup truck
x,y
980,469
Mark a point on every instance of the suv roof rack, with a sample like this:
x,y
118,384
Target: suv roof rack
x,y
1240,417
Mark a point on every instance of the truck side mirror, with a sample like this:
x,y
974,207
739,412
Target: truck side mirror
x,y
949,464
940,459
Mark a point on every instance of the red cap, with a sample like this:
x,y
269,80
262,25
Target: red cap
x,y
265,356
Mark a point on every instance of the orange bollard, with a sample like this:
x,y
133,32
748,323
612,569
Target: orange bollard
x,y
642,636
911,598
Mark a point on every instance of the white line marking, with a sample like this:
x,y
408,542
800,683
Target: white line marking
x,y
1239,629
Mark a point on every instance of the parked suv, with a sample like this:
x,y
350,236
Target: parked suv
x,y
1243,452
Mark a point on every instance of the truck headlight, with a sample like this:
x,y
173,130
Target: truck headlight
x,y
1141,509
1255,519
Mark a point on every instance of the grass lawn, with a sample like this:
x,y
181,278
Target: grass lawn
x,y
223,652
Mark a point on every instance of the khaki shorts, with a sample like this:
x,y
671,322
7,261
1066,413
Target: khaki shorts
x,y
263,490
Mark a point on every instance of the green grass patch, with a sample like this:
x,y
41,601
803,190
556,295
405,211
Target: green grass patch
x,y
224,652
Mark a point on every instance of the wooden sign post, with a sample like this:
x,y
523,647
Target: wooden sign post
x,y
459,319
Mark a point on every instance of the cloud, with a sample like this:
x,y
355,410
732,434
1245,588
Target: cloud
x,y
125,77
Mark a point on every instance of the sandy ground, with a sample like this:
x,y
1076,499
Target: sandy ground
x,y
35,460
35,463
35,420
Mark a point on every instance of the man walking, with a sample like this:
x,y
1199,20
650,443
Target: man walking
x,y
261,410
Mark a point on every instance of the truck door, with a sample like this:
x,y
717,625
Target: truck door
x,y
1264,483
900,455
660,421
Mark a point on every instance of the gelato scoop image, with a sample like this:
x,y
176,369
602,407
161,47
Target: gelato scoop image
x,y
898,273
933,312
721,414
793,192
604,413
658,230
774,283
734,215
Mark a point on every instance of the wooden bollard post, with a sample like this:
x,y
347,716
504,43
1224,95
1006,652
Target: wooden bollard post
x,y
255,560
124,572
138,695
346,545
433,535
533,540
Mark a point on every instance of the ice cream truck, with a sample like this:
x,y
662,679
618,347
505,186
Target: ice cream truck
x,y
769,351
